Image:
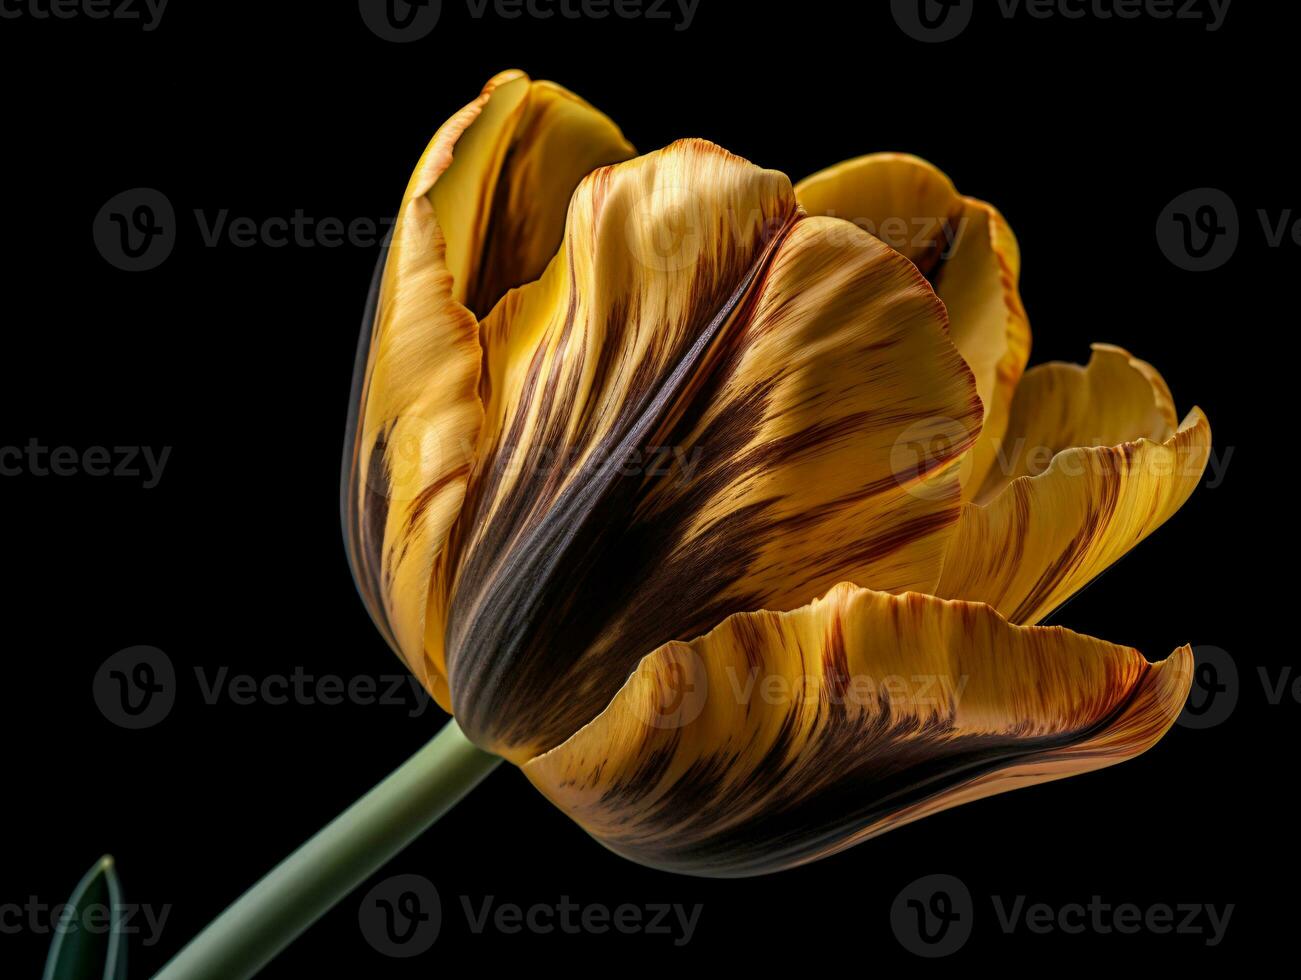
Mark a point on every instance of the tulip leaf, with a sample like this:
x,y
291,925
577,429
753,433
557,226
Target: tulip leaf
x,y
89,942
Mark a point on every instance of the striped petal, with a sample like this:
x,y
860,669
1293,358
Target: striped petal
x,y
483,212
967,250
1050,518
504,197
697,410
779,738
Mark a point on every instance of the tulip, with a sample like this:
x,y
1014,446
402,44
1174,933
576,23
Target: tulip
x,y
553,594
724,508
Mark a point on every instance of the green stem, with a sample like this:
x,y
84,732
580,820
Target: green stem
x,y
303,887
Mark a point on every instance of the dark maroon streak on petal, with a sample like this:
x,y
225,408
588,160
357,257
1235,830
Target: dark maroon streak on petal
x,y
363,519
535,593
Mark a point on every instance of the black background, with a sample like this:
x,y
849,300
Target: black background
x,y
1081,131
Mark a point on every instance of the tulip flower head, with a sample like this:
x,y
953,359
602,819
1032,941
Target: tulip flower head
x,y
724,507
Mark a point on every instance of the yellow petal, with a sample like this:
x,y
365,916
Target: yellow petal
x,y
965,248
502,200
979,286
1051,518
901,199
697,410
779,738
483,212
1116,398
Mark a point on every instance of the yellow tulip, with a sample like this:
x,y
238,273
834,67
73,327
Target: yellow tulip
x,y
724,507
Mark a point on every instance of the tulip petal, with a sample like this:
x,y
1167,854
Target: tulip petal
x,y
780,738
415,417
483,212
990,329
967,250
901,199
503,199
1037,535
1058,406
697,410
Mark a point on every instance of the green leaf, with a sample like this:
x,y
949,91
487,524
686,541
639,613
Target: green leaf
x,y
89,942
